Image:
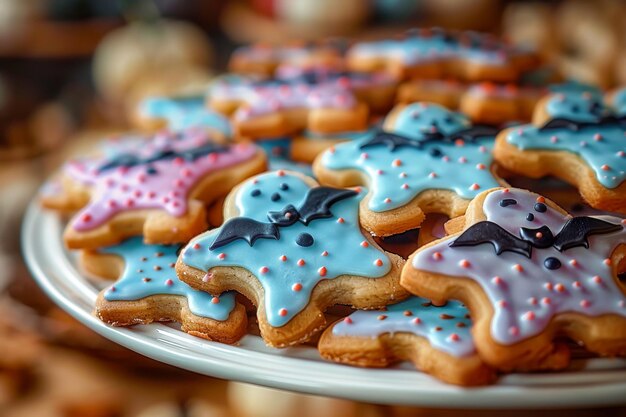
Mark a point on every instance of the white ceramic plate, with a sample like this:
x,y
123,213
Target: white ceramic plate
x,y
595,382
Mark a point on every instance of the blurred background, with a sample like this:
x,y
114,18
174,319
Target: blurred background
x,y
71,70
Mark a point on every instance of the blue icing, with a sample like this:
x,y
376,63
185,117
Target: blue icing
x,y
619,102
464,169
447,328
583,107
184,113
416,48
143,261
575,87
335,245
608,152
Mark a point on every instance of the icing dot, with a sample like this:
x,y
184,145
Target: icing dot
x,y
365,244
300,262
380,171
284,186
305,240
532,301
554,139
577,284
283,258
340,220
255,193
437,256
605,167
552,263
322,271
507,202
548,286
597,137
280,173
382,317
559,287
282,312
275,197
215,300
296,287
264,270
480,166
597,279
529,316
405,186
196,246
325,253
387,200
454,337
514,331
378,262
169,282
221,256
464,263
518,268
497,280
530,217
574,263
540,207
364,155
585,303
396,163
347,320
416,320
474,186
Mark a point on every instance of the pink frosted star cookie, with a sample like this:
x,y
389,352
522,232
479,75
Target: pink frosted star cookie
x,y
158,188
529,272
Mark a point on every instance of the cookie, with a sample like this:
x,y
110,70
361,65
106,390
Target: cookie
x,y
426,159
447,93
158,188
436,339
440,54
307,146
179,114
283,245
262,60
530,273
147,290
576,138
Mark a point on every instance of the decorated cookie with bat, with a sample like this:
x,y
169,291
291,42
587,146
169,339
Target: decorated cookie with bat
x,y
157,188
436,339
425,159
294,248
263,60
179,114
147,290
574,137
530,273
441,54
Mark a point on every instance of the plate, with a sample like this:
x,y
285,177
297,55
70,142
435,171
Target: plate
x,y
590,382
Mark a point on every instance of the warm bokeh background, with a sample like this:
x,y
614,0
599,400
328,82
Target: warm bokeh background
x,y
70,70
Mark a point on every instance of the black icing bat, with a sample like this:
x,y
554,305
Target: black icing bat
x,y
130,160
316,205
563,123
394,140
574,233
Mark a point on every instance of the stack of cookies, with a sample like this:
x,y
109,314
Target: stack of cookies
x,y
212,215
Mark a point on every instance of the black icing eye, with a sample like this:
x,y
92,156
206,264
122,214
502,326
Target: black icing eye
x,y
284,186
552,263
530,217
275,197
151,170
448,120
507,202
255,193
304,240
435,152
575,108
540,207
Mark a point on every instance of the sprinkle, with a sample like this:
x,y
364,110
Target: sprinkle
x,y
215,300
322,271
380,171
605,167
445,159
264,270
532,301
597,137
387,200
365,244
462,160
540,199
196,246
529,316
576,284
432,175
518,268
112,289
538,235
301,262
325,253
221,256
364,155
281,173
459,142
454,337
437,256
340,220
146,279
111,204
405,186
86,217
378,262
474,186
296,287
513,330
464,263
169,282
554,139
574,263
417,320
396,163
480,166
559,287
403,175
282,258
548,286
597,279
347,320
207,277
497,280
503,304
156,268
585,303
408,313
382,317
546,300
282,312
607,261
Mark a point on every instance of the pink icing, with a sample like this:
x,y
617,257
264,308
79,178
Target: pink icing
x,y
525,295
121,189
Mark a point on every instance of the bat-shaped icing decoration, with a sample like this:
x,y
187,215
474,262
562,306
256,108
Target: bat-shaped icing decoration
x,y
489,232
577,229
574,233
316,205
394,140
130,160
563,123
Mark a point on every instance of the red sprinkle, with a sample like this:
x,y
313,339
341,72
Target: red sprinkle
x,y
169,282
497,280
387,200
559,287
513,330
296,287
347,320
605,167
365,244
529,316
454,337
382,317
86,217
607,261
196,246
283,258
322,271
340,220
574,263
480,166
282,312
396,163
325,253
541,199
585,303
378,262
597,279
437,256
474,186
518,267
546,300
215,300
417,320
464,263
221,256
301,262
281,173
264,270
